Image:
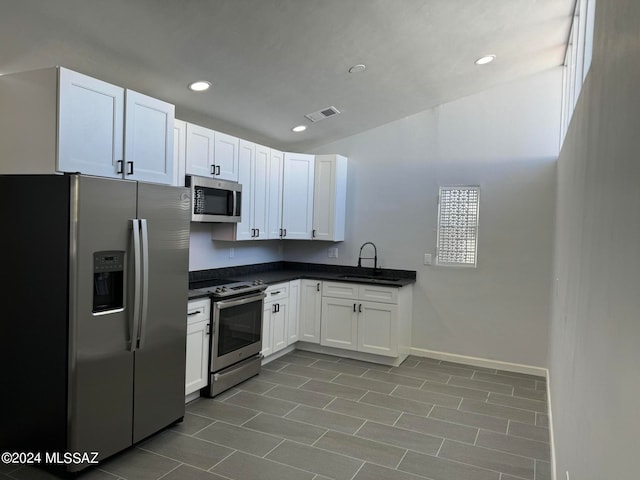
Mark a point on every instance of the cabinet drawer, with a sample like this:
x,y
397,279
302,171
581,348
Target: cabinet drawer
x,y
376,293
198,310
340,290
279,291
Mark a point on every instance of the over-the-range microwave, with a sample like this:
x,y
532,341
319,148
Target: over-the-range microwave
x,y
214,200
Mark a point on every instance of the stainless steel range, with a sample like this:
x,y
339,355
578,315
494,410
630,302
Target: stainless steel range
x,y
236,338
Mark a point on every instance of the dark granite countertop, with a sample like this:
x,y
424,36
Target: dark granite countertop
x,y
277,272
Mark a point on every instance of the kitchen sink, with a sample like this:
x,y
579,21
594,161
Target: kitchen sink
x,y
370,278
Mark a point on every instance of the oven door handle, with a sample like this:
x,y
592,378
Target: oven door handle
x,y
222,304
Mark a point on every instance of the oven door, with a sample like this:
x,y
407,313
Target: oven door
x,y
237,326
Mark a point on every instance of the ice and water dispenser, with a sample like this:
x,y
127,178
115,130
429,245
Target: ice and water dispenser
x,y
108,281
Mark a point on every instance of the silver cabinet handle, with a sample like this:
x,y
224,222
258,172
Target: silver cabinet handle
x,y
318,287
213,169
354,307
360,308
129,168
120,167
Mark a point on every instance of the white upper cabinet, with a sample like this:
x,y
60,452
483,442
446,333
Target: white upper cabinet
x,y
90,126
56,120
297,196
246,159
148,139
260,192
329,198
211,153
179,151
199,154
254,176
226,156
274,204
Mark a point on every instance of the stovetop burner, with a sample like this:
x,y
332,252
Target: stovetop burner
x,y
221,288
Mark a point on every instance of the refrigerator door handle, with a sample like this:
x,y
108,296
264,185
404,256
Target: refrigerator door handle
x,y
145,280
135,324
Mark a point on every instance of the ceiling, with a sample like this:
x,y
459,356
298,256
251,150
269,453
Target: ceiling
x,y
273,61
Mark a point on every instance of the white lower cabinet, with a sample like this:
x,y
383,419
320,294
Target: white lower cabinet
x,y
275,319
197,353
309,311
352,320
293,324
378,328
339,324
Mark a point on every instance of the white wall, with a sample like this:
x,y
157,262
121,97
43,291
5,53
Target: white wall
x,y
505,140
205,253
595,331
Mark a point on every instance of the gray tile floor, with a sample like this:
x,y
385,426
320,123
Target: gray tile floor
x,y
312,416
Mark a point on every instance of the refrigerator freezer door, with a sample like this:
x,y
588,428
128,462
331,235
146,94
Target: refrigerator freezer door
x,y
100,397
165,214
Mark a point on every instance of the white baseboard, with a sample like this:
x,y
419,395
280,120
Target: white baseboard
x,y
192,396
480,362
278,354
339,352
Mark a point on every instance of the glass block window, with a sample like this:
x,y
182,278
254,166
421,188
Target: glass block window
x,y
458,226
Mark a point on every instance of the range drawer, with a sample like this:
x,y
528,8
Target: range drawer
x,y
277,292
198,310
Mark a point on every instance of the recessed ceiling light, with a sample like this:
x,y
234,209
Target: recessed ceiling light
x,y
200,86
299,128
357,68
486,59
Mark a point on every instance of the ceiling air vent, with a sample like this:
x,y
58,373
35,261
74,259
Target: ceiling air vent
x,y
322,114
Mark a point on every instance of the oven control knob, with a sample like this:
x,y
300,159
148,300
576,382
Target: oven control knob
x,y
258,282
224,289
217,290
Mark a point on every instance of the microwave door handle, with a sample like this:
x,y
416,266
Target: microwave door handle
x,y
135,323
235,203
145,280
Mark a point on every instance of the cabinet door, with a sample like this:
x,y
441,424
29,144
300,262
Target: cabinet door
x,y
200,145
310,308
90,126
179,151
197,362
378,328
244,228
226,156
329,197
260,192
148,139
297,196
267,334
339,324
293,313
274,213
279,328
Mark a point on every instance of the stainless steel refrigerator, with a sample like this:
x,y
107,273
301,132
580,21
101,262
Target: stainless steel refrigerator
x,y
94,301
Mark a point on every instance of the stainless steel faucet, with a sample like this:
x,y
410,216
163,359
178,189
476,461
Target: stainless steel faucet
x,y
374,258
